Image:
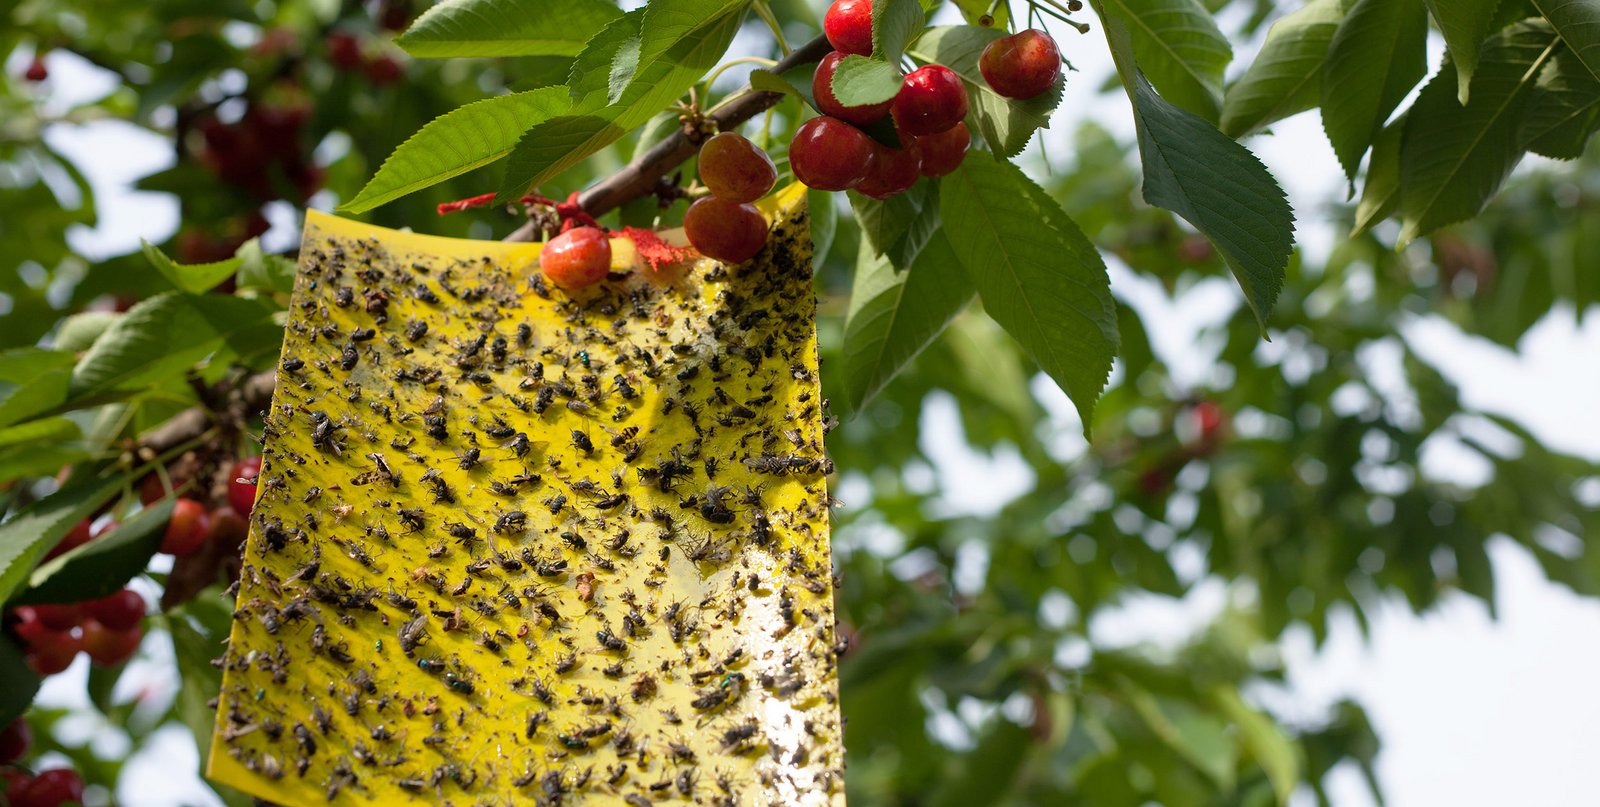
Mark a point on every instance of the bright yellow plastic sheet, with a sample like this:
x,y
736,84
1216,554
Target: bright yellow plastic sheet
x,y
518,546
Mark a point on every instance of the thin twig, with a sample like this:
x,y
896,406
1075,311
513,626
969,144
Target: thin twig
x,y
639,177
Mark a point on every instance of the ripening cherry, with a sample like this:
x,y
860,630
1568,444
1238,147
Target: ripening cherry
x,y
38,71
14,740
108,647
828,154
59,617
893,172
119,611
51,788
187,529
828,104
931,100
242,485
75,537
384,69
735,169
1022,65
54,654
942,152
577,258
344,51
848,25
728,231
228,528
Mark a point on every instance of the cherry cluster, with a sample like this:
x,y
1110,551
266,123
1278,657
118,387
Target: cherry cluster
x,y
108,629
833,152
48,788
262,153
346,52
725,225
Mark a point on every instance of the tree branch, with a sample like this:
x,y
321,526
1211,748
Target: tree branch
x,y
639,177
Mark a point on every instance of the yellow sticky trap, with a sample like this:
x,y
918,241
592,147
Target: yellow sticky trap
x,y
519,546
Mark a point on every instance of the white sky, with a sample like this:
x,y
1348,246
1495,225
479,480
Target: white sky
x,y
1472,712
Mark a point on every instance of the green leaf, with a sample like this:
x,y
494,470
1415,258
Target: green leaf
x,y
1199,738
457,142
1578,23
1005,124
194,278
263,271
1453,158
163,335
553,146
102,566
898,227
1272,750
795,81
1566,110
1210,180
56,429
29,534
895,23
32,381
1180,49
1037,274
592,79
1381,193
1465,24
199,631
894,315
21,682
860,81
824,224
1286,76
505,28
669,24
79,332
1377,55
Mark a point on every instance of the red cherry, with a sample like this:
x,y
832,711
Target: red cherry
x,y
119,611
828,154
242,493
51,788
577,258
735,169
228,528
1021,65
108,647
54,655
1211,422
931,100
731,232
384,70
38,71
151,488
344,51
59,617
942,152
15,781
893,172
187,529
828,104
75,537
14,740
28,629
848,25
